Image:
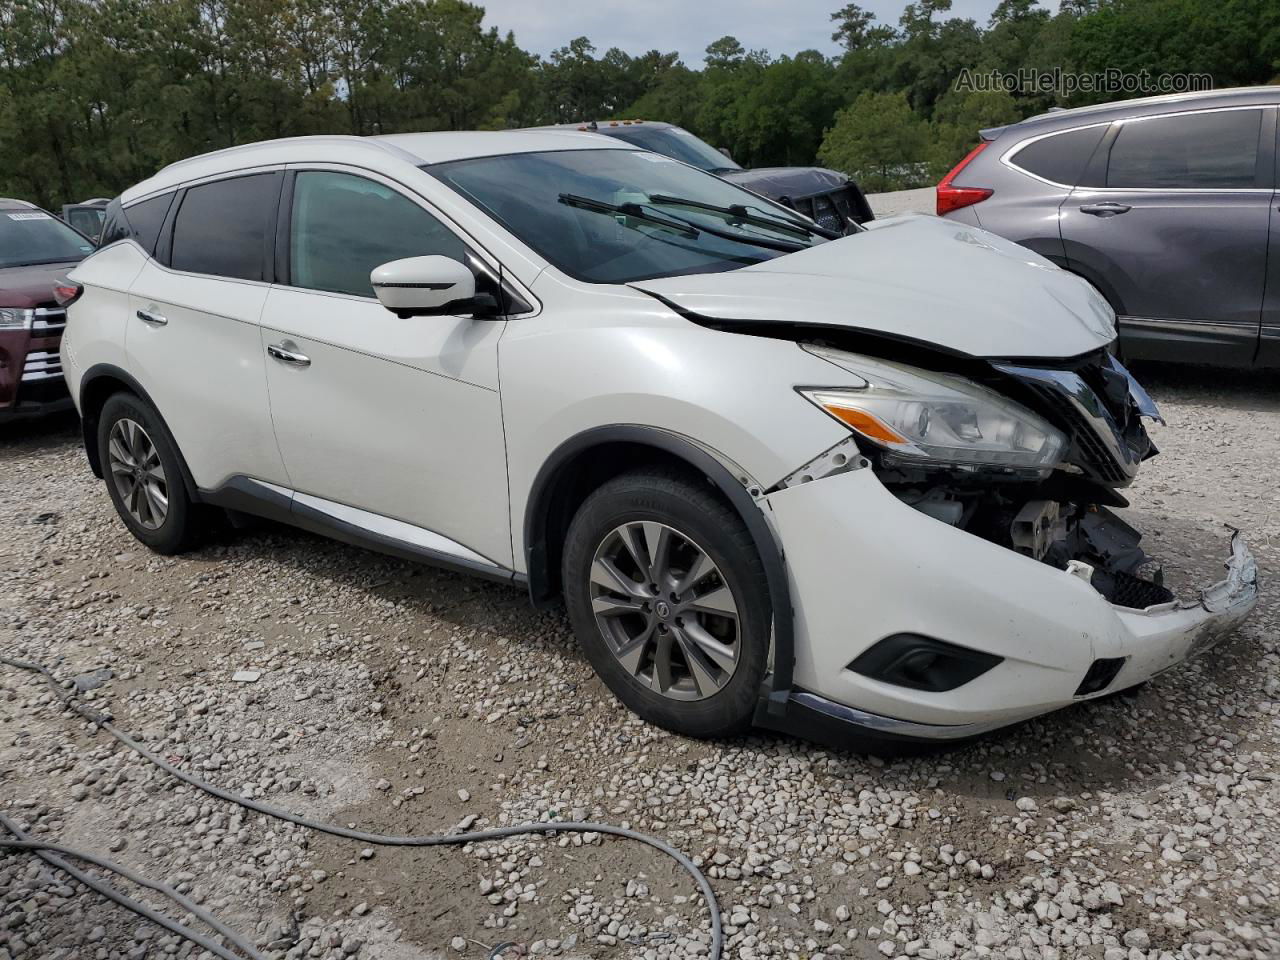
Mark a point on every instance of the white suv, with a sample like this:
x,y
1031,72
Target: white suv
x,y
852,486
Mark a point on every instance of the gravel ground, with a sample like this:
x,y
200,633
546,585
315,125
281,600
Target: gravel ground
x,y
404,699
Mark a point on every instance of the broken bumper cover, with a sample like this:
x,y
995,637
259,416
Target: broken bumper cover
x,y
865,566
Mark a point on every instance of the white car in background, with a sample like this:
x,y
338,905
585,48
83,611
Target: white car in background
x,y
851,487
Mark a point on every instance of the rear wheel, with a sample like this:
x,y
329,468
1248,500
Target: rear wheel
x,y
141,468
668,597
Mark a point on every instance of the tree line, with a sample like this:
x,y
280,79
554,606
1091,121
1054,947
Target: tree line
x,y
98,94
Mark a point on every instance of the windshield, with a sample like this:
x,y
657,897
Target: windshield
x,y
675,142
606,216
32,236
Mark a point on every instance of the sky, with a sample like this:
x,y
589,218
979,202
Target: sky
x,y
779,26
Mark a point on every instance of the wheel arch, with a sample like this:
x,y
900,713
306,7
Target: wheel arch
x,y
99,383
583,462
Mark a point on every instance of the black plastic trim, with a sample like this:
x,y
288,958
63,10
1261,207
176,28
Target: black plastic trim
x,y
537,512
889,661
247,496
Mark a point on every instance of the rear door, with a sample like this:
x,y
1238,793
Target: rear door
x,y
192,338
1171,223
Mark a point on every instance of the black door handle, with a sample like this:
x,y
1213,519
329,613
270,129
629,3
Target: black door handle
x,y
1107,209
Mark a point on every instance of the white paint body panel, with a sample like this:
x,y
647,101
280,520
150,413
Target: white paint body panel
x,y
98,333
398,417
864,566
920,278
205,370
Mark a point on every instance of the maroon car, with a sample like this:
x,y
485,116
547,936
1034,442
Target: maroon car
x,y
36,250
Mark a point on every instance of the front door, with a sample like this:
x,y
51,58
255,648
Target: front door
x,y
1175,232
398,419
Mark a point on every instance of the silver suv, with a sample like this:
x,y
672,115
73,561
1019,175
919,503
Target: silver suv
x,y
1163,204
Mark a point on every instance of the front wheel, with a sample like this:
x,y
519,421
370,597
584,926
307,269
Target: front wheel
x,y
668,597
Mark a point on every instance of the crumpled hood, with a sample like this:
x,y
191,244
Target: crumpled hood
x,y
920,278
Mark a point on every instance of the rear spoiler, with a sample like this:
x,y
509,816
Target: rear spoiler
x,y
991,133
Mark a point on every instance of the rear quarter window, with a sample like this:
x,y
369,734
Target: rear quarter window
x,y
146,219
1062,157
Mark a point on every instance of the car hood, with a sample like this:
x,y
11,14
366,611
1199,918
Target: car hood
x,y
27,287
916,278
793,183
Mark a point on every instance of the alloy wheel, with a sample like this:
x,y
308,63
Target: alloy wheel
x,y
138,474
665,609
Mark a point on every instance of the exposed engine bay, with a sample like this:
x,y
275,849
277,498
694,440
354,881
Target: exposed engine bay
x,y
1051,531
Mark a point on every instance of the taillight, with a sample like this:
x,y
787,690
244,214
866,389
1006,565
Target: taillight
x,y
67,292
953,198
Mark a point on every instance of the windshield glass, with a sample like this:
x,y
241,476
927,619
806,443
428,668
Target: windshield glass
x,y
32,236
592,213
675,142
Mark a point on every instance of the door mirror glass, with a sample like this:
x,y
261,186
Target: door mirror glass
x,y
425,287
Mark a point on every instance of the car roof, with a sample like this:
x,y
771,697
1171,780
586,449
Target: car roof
x,y
6,203
1139,107
381,153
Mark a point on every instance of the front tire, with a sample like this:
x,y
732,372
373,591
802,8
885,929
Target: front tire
x,y
668,597
143,475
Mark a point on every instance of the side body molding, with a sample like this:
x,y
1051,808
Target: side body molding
x,y
537,520
352,525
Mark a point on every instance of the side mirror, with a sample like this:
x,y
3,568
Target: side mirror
x,y
425,287
725,151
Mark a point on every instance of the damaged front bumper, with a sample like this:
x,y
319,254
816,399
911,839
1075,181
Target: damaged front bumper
x,y
864,566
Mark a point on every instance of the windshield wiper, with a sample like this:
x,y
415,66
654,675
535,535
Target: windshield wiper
x,y
742,213
637,212
633,210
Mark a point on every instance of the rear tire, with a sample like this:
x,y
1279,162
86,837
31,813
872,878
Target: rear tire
x,y
668,597
143,474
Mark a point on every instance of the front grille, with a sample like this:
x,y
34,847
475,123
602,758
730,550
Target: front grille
x,y
831,210
49,322
41,365
1091,401
1099,460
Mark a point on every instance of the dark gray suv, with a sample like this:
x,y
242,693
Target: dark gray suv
x,y
1166,205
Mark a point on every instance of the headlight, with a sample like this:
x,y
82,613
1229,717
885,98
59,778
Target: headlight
x,y
936,417
12,318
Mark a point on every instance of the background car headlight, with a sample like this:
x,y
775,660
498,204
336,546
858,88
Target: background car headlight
x,y
936,416
13,318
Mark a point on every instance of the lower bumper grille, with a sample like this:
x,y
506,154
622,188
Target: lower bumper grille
x,y
830,210
41,365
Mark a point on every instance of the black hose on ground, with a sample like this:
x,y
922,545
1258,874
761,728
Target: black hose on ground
x,y
103,722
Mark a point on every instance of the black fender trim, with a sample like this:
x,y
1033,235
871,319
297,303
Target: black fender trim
x,y
777,691
89,424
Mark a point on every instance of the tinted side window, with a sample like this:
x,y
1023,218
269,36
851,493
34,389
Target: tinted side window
x,y
115,226
221,227
1061,158
1205,150
146,219
343,226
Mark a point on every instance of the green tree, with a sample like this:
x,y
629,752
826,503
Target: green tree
x,y
879,141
